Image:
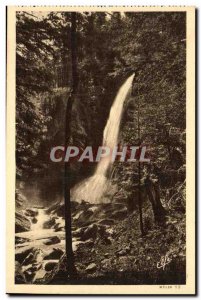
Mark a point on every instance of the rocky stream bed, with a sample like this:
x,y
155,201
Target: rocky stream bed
x,y
107,246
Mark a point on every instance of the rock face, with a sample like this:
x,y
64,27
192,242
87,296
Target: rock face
x,y
21,223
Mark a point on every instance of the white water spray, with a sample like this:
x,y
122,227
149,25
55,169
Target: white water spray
x,y
94,187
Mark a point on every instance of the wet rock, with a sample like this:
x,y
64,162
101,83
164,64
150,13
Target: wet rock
x,y
49,224
22,224
60,210
78,232
91,268
34,257
49,266
60,229
22,254
52,240
83,217
56,226
21,240
55,254
34,220
90,232
28,260
31,212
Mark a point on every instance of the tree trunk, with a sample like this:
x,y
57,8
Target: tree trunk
x,y
69,251
153,192
139,177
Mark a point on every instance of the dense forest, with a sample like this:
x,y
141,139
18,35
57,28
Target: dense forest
x,y
114,241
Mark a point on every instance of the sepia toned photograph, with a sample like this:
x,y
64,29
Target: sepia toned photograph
x,y
100,129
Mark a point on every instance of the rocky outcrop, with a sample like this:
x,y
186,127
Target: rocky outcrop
x,y
21,223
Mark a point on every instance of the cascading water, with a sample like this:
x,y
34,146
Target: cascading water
x,y
42,217
93,188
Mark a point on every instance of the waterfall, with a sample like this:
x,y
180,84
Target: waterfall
x,y
94,187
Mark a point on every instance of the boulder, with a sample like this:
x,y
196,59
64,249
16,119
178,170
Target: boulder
x,y
91,268
50,265
52,240
61,228
34,220
22,224
22,254
56,226
55,254
90,232
60,210
49,224
28,260
21,240
83,217
31,212
78,232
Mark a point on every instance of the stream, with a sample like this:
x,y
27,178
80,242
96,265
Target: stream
x,y
45,245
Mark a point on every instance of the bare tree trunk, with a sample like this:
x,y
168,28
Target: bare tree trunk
x,y
69,251
153,192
